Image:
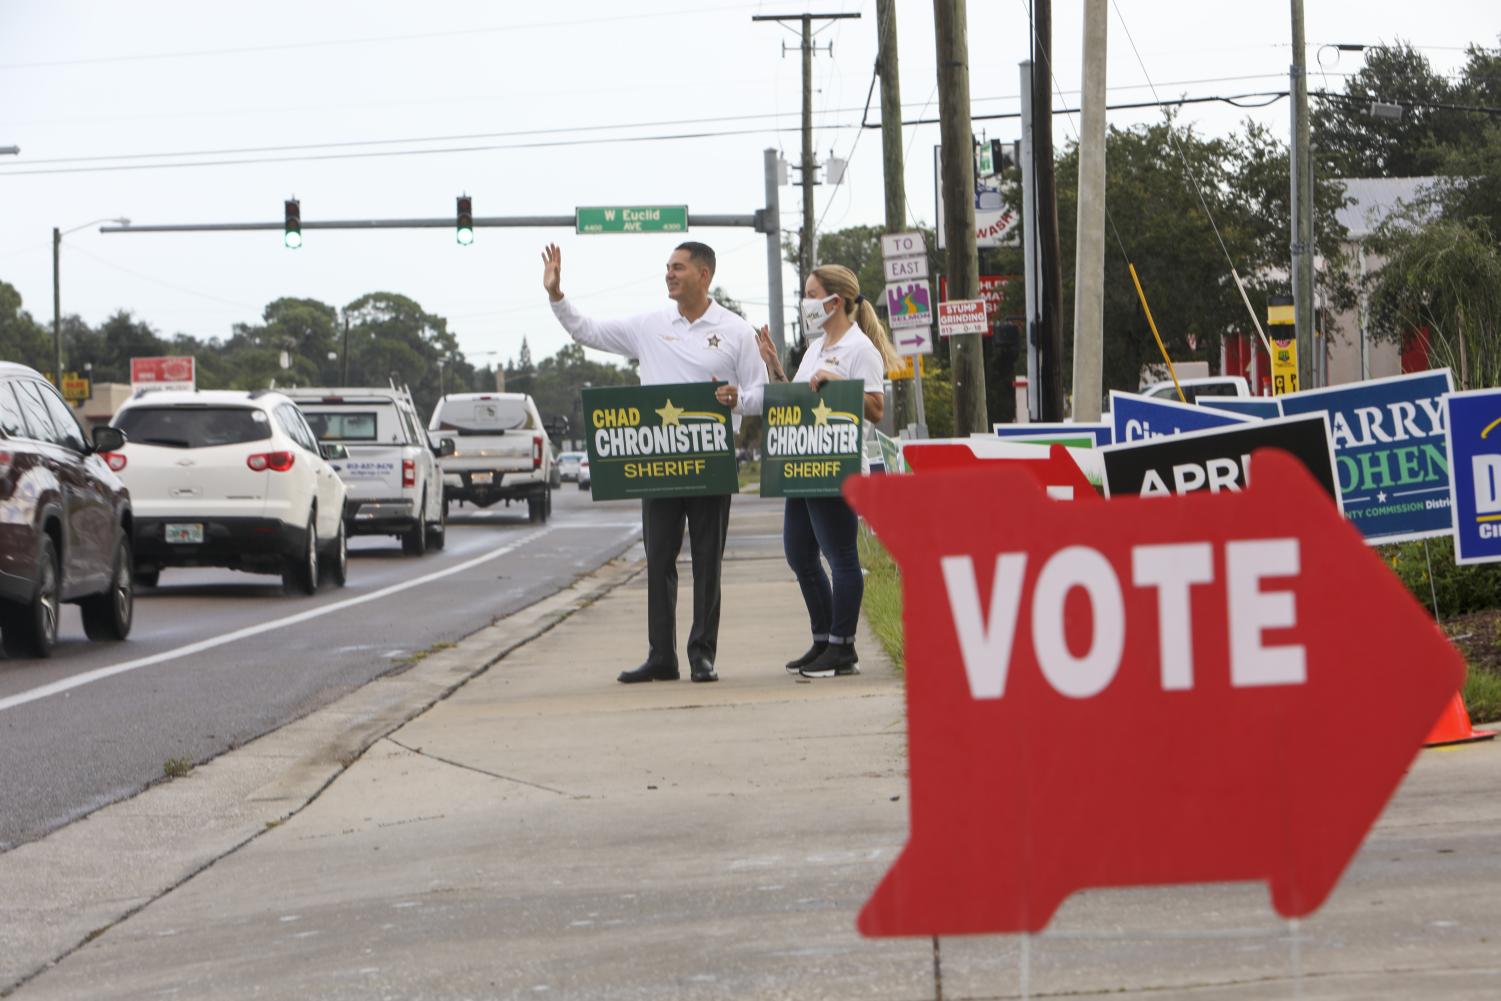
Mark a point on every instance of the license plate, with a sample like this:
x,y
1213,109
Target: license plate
x,y
186,534
480,477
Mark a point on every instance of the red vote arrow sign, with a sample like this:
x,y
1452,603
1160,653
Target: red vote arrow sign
x,y
1058,474
1141,692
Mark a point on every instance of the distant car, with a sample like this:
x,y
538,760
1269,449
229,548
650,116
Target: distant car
x,y
65,520
231,479
583,474
568,466
392,477
1214,385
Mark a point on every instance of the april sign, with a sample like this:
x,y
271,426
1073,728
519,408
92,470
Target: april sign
x,y
1389,452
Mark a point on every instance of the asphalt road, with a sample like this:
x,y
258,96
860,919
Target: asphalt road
x,y
217,658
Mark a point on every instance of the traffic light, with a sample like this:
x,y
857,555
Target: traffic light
x,y
465,233
292,233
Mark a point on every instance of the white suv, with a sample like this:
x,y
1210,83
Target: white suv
x,y
231,479
395,486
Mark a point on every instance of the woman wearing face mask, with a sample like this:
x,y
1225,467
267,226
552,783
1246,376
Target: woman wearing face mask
x,y
853,345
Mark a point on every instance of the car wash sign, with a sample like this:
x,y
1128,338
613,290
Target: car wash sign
x,y
811,440
1390,452
659,441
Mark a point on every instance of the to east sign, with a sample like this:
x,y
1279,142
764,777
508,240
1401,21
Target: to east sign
x,y
1138,692
632,219
902,245
962,316
902,269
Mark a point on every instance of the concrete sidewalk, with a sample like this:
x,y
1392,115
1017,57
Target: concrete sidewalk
x,y
546,832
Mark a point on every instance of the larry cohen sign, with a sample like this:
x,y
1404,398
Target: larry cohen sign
x,y
659,441
1390,452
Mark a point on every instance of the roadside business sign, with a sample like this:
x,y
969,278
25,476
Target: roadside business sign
x,y
1474,422
1218,460
1137,418
631,219
75,388
906,371
1390,452
992,289
962,316
172,372
1237,623
659,441
909,304
1065,433
810,441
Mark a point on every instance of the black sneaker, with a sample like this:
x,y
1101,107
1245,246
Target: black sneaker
x,y
818,647
838,660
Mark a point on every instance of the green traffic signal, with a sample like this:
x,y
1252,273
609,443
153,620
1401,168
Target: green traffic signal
x,y
292,228
465,232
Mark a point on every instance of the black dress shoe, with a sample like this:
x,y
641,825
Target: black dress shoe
x,y
818,647
838,660
703,670
648,672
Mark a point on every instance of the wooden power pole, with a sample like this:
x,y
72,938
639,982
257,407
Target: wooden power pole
x,y
893,169
1050,268
963,263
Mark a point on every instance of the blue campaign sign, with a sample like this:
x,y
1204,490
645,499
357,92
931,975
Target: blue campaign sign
x,y
1098,433
1390,451
1474,423
1260,407
1137,418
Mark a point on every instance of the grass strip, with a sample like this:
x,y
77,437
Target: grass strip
x,y
883,595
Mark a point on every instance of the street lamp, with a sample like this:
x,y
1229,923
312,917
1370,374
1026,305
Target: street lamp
x,y
57,305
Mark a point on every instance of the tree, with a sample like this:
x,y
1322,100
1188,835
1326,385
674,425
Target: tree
x,y
22,339
1442,277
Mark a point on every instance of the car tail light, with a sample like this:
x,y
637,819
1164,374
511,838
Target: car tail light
x,y
116,460
409,472
277,462
537,453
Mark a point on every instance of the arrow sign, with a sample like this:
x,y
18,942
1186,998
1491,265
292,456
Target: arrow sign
x,y
1178,725
916,342
1056,472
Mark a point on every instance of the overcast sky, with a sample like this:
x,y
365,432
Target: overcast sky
x,y
513,100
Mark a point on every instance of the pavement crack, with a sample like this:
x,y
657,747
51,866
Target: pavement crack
x,y
470,768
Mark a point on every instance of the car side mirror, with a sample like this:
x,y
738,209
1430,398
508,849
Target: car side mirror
x,y
333,452
445,448
108,439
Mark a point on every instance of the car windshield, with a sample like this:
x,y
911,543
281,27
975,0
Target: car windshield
x,y
346,426
192,427
484,416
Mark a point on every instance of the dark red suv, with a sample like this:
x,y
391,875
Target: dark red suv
x,y
64,520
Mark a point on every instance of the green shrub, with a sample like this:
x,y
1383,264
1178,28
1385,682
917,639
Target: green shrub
x,y
1460,589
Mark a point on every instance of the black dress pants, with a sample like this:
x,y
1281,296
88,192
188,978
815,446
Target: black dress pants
x,y
708,520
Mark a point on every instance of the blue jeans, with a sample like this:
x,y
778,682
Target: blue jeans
x,y
826,526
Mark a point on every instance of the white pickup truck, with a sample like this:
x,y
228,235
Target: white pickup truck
x,y
392,479
501,452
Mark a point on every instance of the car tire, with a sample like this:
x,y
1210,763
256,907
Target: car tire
x,y
414,539
30,630
536,508
301,572
547,516
107,616
338,558
437,532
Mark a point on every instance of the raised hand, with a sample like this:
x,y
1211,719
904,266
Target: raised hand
x,y
768,350
552,271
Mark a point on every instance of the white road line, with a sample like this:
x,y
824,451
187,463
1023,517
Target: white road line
x,y
99,674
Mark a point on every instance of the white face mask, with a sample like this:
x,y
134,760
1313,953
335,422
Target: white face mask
x,y
814,314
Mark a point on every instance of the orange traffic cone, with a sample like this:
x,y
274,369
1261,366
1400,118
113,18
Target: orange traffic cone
x,y
1453,727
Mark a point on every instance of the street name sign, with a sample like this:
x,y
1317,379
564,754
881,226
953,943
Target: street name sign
x,y
1218,459
810,441
1390,450
659,441
632,219
962,316
1138,692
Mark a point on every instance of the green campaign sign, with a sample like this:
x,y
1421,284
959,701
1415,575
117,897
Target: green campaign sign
x,y
659,441
811,441
632,219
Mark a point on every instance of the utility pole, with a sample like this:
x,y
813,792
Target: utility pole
x,y
57,309
1089,260
809,170
345,352
1301,164
950,26
1050,287
894,174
